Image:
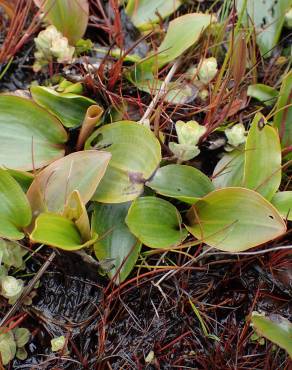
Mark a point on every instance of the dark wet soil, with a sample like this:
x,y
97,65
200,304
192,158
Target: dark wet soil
x,y
118,328
148,322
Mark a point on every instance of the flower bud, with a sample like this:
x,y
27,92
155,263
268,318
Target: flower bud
x,y
58,343
189,132
235,135
62,50
11,287
207,70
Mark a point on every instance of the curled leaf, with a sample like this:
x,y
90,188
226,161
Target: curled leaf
x,y
58,231
81,171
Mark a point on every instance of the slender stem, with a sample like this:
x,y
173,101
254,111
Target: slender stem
x,y
28,289
160,92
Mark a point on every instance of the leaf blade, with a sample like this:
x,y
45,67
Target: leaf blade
x,y
156,222
234,220
117,244
182,182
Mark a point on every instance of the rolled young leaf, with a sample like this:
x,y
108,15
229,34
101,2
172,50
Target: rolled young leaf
x,y
234,220
91,120
81,171
185,183
156,222
30,137
69,108
75,211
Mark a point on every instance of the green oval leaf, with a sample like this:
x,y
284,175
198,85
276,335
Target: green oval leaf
x,y
30,137
81,171
156,222
229,170
262,168
181,34
135,153
275,328
58,231
234,220
116,243
69,16
69,108
185,183
264,93
15,212
283,202
144,13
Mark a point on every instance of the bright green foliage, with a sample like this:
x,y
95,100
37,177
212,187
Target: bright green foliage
x,y
234,220
143,13
283,117
69,16
136,154
268,18
283,202
11,254
12,344
30,137
275,328
15,212
69,108
262,167
185,183
181,34
57,231
116,242
23,178
264,93
156,222
75,211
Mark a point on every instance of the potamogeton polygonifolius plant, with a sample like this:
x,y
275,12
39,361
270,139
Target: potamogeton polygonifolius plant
x,y
122,159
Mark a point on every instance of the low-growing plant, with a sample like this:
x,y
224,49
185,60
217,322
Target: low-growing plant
x,y
73,177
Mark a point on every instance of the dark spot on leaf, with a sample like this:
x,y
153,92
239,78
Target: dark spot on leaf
x,y
272,217
136,178
261,123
